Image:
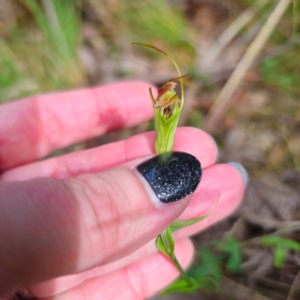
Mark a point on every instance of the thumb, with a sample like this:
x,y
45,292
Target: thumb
x,y
51,227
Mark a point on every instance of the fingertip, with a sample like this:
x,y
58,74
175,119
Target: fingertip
x,y
221,182
242,171
198,143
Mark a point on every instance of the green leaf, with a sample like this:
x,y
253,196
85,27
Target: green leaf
x,y
270,240
165,242
204,281
234,262
160,245
210,266
273,240
208,283
181,285
178,224
232,248
291,244
281,245
279,256
169,240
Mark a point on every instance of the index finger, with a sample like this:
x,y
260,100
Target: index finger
x,y
36,126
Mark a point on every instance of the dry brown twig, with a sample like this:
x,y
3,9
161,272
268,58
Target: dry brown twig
x,y
295,289
223,101
234,289
211,55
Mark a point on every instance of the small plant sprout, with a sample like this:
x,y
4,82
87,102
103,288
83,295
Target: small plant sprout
x,y
167,108
281,247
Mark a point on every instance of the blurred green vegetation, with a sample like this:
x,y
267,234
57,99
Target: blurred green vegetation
x,y
281,72
212,261
281,246
149,20
39,52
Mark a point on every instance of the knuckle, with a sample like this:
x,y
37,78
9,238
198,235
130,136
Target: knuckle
x,y
107,208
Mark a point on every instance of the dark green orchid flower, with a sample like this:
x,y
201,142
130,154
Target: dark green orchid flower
x,y
167,108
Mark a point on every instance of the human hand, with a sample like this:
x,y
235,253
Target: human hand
x,y
82,224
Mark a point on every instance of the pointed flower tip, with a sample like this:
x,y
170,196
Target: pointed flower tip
x,y
170,85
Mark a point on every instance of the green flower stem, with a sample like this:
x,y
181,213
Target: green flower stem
x,y
183,274
166,244
165,132
167,109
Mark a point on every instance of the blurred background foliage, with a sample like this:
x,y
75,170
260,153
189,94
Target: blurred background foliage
x,y
50,45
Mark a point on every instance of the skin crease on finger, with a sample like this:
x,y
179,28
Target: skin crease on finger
x,y
188,139
217,179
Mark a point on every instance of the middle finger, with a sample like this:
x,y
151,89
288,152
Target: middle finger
x,y
188,139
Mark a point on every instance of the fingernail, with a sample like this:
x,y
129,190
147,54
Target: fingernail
x,y
241,170
172,176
